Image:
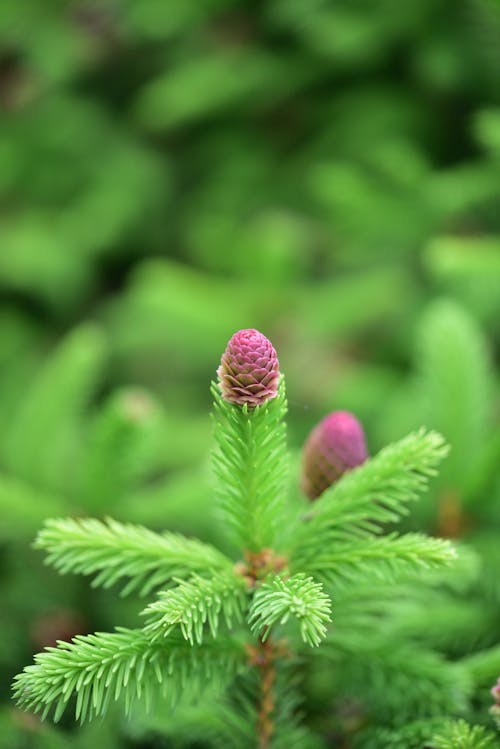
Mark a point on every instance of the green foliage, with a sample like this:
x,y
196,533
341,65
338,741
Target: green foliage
x,y
195,602
115,551
454,366
44,434
484,666
24,507
468,267
15,733
375,493
326,172
122,441
229,721
250,463
205,589
444,621
102,667
390,553
460,735
297,597
400,681
414,735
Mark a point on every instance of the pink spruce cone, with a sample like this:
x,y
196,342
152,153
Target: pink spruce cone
x,y
495,692
334,446
249,369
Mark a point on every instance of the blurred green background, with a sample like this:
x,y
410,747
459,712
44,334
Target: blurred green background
x,y
171,171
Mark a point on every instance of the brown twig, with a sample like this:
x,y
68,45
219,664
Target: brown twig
x,y
264,656
258,564
268,675
452,520
255,568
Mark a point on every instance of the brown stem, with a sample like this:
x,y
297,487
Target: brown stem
x,y
452,521
267,668
255,567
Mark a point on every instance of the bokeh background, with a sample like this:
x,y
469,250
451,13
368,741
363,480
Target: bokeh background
x,y
171,171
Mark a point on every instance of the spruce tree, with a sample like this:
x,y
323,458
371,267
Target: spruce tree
x,y
314,583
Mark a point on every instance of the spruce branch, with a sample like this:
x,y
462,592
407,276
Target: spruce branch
x,y
115,551
460,735
414,735
392,554
455,380
102,667
218,720
299,597
483,667
402,680
369,496
121,443
268,698
196,602
250,463
43,435
279,715
23,507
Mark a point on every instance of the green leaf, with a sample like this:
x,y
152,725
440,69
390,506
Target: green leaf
x,y
250,463
115,551
298,597
196,602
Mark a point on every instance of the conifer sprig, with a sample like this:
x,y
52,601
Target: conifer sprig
x,y
116,551
460,735
404,680
298,597
375,493
103,667
392,555
250,463
456,384
413,735
483,666
196,602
